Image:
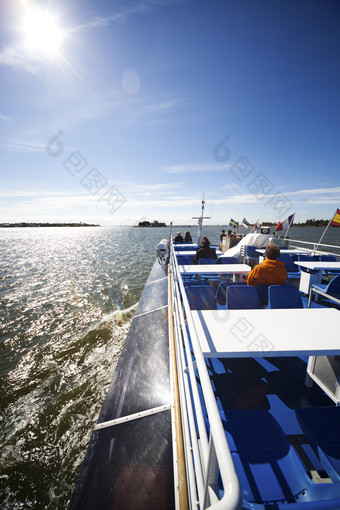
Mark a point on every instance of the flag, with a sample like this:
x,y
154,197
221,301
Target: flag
x,y
336,219
288,222
233,223
245,223
257,225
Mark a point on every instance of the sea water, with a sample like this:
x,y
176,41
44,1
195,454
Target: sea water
x,y
67,299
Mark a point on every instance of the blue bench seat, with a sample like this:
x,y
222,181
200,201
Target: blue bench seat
x,y
321,426
201,297
332,288
270,472
284,296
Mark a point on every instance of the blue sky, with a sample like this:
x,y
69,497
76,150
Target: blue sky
x,y
136,108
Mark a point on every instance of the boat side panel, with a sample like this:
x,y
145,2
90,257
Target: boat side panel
x,y
132,467
133,461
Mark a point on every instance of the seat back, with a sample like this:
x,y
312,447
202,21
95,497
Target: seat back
x,y
328,258
250,251
289,262
284,296
207,260
185,259
262,290
321,426
201,298
222,291
227,260
308,258
187,247
334,286
269,470
242,297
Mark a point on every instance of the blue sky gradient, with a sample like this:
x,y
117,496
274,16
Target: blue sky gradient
x,y
148,104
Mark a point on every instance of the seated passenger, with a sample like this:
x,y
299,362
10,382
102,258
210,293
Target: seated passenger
x,y
270,271
178,238
187,237
204,251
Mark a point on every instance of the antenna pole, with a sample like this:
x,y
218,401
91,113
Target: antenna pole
x,y
200,222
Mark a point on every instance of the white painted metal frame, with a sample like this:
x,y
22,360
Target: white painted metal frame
x,y
206,457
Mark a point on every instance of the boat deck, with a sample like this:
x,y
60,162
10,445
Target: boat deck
x,y
257,396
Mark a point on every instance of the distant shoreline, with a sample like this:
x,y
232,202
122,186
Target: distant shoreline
x,y
21,225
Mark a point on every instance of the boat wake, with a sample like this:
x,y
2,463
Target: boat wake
x,y
60,387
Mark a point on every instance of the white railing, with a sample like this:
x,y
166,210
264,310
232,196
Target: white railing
x,y
315,246
206,455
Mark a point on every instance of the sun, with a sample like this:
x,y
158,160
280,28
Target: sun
x,y
41,32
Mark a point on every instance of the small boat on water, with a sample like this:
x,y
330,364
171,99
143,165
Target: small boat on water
x,y
225,395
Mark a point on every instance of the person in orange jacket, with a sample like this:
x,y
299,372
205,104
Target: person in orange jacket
x,y
270,271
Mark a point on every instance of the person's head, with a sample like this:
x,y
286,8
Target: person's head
x,y
204,242
178,234
272,252
186,233
229,232
223,232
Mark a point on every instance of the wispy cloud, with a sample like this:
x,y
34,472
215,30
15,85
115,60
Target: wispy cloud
x,y
139,111
40,201
6,119
305,196
315,191
156,107
23,146
123,14
17,56
195,167
148,188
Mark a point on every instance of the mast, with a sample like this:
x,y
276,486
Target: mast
x,y
200,222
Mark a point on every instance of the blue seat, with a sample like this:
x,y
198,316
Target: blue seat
x,y
269,470
251,256
262,290
188,247
321,426
227,260
185,259
308,258
332,288
328,258
207,260
201,297
284,296
242,297
222,291
250,251
289,262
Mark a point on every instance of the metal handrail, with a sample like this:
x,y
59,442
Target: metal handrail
x,y
217,451
315,245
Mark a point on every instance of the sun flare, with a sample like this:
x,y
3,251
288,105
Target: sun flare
x,y
41,32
